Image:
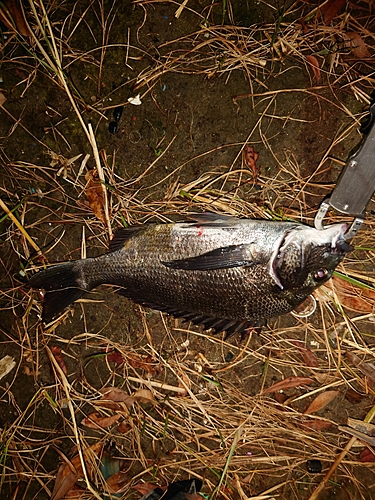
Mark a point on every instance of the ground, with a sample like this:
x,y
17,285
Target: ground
x,y
279,77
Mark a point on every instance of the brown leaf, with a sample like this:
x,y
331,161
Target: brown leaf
x,y
75,493
56,351
322,400
367,455
357,45
308,356
250,157
114,357
12,16
353,396
66,478
288,383
146,363
351,297
145,396
314,65
280,397
367,369
2,99
330,9
123,427
94,194
117,395
316,424
70,471
96,421
145,487
117,481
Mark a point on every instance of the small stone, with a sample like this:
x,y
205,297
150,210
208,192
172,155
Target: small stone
x,y
314,466
112,127
117,113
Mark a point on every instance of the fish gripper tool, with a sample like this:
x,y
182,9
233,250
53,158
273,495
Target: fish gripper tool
x,y
356,183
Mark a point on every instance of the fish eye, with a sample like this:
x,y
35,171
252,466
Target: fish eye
x,y
320,274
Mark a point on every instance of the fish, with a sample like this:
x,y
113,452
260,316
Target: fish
x,y
222,272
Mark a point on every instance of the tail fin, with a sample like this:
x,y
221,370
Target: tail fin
x,y
62,285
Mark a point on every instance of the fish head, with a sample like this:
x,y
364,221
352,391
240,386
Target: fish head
x,y
307,257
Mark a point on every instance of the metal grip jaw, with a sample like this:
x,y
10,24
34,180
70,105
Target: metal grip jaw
x,y
353,229
356,184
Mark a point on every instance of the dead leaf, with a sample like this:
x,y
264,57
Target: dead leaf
x,y
2,99
66,478
123,427
308,356
114,357
97,421
330,10
366,368
353,396
250,157
75,493
11,14
316,424
145,396
314,65
280,397
351,297
367,455
94,194
184,382
145,487
322,400
117,395
117,481
71,470
325,378
288,383
146,363
357,45
7,364
56,352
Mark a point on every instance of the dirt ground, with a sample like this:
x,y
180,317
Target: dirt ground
x,y
216,78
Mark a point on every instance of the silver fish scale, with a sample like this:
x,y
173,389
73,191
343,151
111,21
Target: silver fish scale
x,y
246,292
222,272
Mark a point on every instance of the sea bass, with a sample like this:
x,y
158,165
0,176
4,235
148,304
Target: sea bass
x,y
225,273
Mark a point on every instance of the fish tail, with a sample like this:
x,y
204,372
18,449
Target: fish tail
x,y
63,285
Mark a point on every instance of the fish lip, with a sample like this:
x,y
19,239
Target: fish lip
x,y
339,243
342,247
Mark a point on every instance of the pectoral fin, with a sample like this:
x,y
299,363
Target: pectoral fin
x,y
220,258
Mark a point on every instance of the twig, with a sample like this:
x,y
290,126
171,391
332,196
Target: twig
x,y
369,417
20,227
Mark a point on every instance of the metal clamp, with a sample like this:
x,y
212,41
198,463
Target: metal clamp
x,y
353,229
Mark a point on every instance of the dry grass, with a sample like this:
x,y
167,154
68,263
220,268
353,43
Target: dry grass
x,y
210,418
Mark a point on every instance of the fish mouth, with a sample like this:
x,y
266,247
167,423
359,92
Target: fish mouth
x,y
339,245
342,247
332,237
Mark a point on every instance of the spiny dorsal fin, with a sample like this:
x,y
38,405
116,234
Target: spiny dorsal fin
x,y
122,236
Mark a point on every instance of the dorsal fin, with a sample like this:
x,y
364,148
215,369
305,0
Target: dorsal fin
x,y
122,236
